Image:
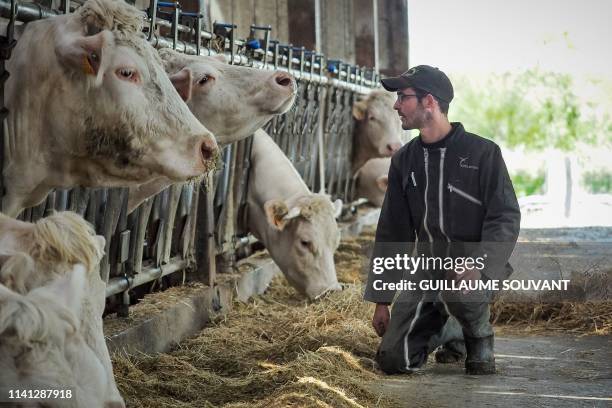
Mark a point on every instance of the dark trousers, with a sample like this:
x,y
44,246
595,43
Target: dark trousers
x,y
422,321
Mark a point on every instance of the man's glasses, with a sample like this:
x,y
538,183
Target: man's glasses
x,y
401,97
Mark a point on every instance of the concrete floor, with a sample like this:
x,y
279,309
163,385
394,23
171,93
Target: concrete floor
x,y
533,371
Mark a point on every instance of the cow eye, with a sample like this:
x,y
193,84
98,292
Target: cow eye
x,y
307,245
203,80
128,74
372,118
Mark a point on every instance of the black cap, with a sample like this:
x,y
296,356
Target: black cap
x,y
424,77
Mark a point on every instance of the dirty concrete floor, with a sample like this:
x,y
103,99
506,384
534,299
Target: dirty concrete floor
x,y
534,371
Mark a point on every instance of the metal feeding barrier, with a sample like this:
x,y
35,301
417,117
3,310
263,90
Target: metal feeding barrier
x,y
187,227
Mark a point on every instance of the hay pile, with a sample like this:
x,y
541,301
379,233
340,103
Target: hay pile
x,y
150,305
276,351
281,351
594,318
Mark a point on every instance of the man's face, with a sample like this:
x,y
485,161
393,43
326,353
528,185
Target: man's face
x,y
411,112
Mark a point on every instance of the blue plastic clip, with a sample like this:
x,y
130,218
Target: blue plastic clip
x,y
253,44
333,68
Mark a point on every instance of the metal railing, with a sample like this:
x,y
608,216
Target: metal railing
x,y
186,227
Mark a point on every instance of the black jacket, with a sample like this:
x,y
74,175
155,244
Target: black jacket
x,y
456,190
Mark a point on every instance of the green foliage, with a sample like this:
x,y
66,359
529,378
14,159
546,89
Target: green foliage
x,y
533,109
597,182
526,183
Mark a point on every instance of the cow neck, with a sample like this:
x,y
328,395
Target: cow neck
x,y
360,155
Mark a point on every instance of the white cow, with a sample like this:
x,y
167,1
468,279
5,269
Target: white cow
x,y
230,100
372,180
296,226
91,105
377,128
32,255
42,347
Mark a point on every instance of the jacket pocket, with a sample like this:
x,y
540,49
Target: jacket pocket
x,y
463,194
466,213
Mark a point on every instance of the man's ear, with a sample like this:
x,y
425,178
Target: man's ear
x,y
182,81
360,108
382,182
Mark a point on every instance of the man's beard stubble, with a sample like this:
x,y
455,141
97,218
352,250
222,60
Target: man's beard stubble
x,y
419,120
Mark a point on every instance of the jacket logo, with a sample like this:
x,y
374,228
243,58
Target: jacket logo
x,y
463,164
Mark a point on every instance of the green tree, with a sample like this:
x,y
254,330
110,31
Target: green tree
x,y
533,109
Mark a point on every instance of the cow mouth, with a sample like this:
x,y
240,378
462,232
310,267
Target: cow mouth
x,y
285,105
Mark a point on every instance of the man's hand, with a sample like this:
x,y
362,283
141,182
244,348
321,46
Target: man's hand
x,y
467,275
380,321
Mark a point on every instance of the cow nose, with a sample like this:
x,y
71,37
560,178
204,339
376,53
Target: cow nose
x,y
336,287
208,149
393,147
283,79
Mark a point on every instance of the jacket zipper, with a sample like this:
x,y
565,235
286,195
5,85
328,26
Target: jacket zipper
x,y
463,194
441,192
426,153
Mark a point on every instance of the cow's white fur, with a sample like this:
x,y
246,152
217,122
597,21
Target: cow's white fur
x,y
372,180
296,226
42,347
32,255
377,128
232,103
75,120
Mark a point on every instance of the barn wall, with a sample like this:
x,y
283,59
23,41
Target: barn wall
x,y
366,33
243,13
393,36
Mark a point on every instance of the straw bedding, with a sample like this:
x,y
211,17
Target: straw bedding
x,y
276,351
281,351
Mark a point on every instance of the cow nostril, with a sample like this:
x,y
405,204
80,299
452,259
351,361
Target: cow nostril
x,y
208,149
283,80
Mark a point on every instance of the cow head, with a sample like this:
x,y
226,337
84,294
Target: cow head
x,y
41,346
309,238
377,127
54,244
135,124
97,107
230,100
373,179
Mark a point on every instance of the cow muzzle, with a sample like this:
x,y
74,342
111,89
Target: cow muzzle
x,y
208,151
336,287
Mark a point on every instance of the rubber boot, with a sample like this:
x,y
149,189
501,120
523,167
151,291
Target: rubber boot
x,y
480,358
451,352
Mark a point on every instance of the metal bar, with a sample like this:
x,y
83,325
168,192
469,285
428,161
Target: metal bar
x,y
153,16
120,284
174,194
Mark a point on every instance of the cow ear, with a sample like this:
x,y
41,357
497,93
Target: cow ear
x,y
69,290
360,108
276,210
382,182
337,208
182,81
83,54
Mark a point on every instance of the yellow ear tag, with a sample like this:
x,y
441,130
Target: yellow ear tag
x,y
87,68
